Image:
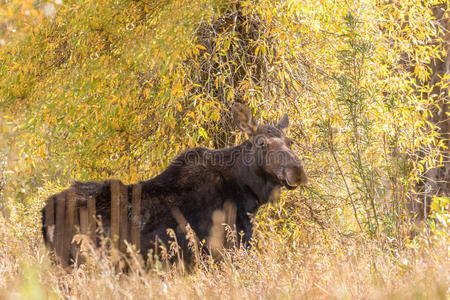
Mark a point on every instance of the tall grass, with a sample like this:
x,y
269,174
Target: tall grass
x,y
327,266
349,237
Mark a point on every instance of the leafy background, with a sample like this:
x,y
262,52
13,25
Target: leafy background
x,y
92,90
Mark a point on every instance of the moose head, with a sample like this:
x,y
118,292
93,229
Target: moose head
x,y
272,148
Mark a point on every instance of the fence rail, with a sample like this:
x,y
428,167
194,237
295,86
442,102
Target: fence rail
x,y
70,214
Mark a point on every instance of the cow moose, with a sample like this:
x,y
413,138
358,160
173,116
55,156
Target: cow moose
x,y
201,182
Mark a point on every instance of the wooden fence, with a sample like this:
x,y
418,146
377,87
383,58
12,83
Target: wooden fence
x,y
73,214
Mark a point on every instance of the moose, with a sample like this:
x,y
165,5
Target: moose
x,y
201,182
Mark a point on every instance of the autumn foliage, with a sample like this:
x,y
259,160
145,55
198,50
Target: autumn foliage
x,y
92,90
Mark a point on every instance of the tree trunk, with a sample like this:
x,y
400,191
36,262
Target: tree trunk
x,y
437,180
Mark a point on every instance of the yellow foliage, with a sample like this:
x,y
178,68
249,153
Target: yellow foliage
x,y
109,88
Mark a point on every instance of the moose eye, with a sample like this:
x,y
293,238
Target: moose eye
x,y
260,142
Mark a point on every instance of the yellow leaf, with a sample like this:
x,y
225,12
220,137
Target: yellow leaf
x,y
201,47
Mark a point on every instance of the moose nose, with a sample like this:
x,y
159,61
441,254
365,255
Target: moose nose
x,y
295,175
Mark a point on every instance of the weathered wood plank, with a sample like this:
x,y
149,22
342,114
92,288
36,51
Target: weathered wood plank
x,y
69,223
59,228
75,247
92,224
136,216
123,217
84,223
115,212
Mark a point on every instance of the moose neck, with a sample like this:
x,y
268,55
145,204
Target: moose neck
x,y
253,178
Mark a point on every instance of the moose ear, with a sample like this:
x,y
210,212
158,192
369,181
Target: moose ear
x,y
283,124
244,119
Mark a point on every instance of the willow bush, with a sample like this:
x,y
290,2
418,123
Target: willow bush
x,y
110,88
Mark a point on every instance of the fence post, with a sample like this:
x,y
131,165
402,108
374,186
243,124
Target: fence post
x,y
123,217
71,203
84,223
115,212
59,228
136,216
92,225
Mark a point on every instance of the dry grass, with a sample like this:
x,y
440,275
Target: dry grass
x,y
328,266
